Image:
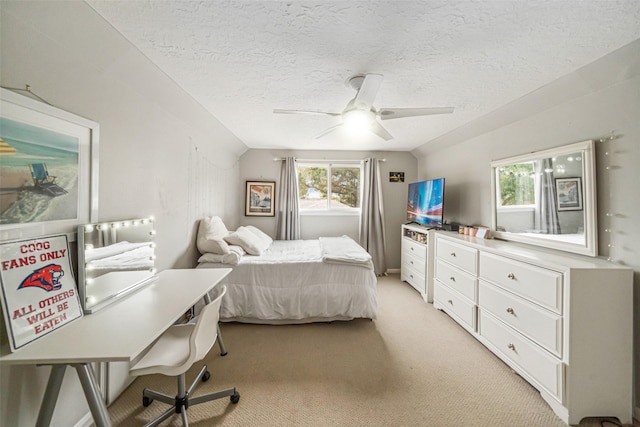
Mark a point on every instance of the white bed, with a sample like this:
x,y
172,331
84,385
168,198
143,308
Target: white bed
x,y
300,281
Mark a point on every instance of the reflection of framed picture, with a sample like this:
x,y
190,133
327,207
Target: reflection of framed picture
x,y
569,194
260,198
48,168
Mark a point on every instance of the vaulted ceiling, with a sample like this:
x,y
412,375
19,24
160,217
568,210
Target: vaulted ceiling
x,y
243,59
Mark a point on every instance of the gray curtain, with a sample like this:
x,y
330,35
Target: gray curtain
x,y
546,215
288,223
372,217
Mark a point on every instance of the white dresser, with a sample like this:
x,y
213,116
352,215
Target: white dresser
x,y
561,321
417,259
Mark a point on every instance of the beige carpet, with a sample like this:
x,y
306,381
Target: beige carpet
x,y
413,366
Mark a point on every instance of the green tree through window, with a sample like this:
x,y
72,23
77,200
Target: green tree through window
x,y
327,186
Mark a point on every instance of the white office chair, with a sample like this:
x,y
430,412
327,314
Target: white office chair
x,y
175,352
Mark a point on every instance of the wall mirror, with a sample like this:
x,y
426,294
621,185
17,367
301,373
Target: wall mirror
x,y
547,198
114,258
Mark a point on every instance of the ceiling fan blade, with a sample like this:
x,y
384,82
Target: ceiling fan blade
x,y
326,131
368,91
380,131
313,112
397,113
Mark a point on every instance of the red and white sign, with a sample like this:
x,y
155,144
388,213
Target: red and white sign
x,y
39,292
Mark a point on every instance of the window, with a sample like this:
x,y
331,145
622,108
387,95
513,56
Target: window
x,y
329,186
516,185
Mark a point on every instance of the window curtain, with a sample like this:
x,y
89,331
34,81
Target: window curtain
x,y
372,217
546,215
288,213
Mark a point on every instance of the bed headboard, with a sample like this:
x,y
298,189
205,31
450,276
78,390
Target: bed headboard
x,y
114,258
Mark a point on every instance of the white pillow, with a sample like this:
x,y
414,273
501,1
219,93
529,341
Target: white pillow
x,y
237,249
230,258
249,241
263,236
211,233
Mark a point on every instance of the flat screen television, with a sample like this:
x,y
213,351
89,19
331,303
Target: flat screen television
x,y
425,202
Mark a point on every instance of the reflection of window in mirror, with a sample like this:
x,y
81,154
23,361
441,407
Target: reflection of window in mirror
x,y
516,184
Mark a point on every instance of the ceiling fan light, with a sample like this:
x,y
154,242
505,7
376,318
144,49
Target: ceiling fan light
x,y
357,120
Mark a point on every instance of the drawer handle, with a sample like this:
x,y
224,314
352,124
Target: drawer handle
x,y
511,276
411,275
411,262
453,279
450,302
511,347
510,310
411,248
453,254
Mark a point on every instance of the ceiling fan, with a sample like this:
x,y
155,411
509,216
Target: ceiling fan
x,y
360,112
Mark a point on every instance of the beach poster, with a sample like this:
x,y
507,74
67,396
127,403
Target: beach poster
x,y
39,171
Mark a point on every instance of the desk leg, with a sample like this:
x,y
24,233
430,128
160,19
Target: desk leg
x,y
51,395
93,395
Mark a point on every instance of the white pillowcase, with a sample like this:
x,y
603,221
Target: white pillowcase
x,y
231,258
237,249
248,240
211,233
261,234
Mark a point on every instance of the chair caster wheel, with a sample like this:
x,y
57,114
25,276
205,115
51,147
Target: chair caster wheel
x,y
235,397
146,401
206,376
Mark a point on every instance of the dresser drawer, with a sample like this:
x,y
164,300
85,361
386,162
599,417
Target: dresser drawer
x,y
457,279
463,310
461,256
414,248
541,366
542,326
414,261
415,278
534,283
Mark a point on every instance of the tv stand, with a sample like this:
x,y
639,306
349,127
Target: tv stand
x,y
417,259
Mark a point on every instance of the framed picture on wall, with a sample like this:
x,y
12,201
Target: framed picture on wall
x,y
260,198
396,176
48,168
569,194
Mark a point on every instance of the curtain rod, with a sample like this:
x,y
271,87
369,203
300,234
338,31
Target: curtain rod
x,y
277,159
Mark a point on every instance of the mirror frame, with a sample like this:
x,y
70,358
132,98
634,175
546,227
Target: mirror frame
x,y
590,246
135,278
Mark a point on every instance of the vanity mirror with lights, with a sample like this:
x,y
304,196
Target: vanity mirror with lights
x,y
114,258
547,198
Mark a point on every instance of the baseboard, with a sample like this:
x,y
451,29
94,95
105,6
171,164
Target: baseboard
x,y
86,421
393,271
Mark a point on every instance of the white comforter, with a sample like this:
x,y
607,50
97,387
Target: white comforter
x,y
292,283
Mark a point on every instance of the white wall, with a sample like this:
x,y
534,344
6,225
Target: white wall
x,y
160,152
259,165
602,106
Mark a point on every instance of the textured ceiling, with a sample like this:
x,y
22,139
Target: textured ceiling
x,y
242,59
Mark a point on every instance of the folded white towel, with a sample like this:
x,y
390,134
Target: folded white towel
x,y
344,250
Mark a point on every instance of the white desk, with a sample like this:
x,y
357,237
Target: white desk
x,y
119,332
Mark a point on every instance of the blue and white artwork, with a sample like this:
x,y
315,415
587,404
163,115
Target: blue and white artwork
x,y
39,171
